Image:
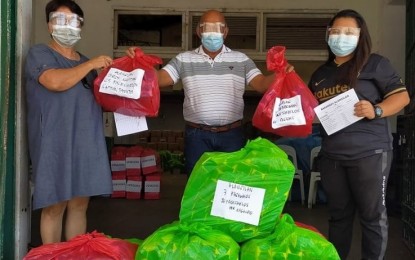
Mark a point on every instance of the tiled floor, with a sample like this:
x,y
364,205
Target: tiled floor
x,y
124,218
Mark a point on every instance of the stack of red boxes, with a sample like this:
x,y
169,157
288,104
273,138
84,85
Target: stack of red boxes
x,y
118,170
150,166
133,169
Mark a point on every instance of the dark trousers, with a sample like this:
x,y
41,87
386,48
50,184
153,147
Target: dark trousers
x,y
198,141
358,185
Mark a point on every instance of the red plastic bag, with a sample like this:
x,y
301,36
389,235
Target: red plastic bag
x,y
309,227
287,107
90,246
149,101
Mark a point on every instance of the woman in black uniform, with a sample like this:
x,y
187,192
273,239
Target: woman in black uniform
x,y
357,159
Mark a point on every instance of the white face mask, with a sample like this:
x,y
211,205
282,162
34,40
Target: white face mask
x,y
66,35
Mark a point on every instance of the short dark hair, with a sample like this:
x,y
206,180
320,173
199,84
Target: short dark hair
x,y
54,5
363,49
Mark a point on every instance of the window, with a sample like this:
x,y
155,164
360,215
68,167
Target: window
x,y
168,32
155,31
296,32
243,33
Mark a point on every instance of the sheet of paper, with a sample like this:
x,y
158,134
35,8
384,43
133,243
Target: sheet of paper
x,y
123,83
238,202
288,111
129,124
338,112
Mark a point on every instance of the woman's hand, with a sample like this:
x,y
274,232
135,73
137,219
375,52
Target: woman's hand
x,y
364,108
100,62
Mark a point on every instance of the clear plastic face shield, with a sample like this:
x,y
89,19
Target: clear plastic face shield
x,y
348,31
212,27
60,18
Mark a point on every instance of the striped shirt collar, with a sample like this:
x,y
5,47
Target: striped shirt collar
x,y
200,50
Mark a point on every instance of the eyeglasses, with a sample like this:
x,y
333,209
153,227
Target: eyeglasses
x,y
343,30
60,18
212,27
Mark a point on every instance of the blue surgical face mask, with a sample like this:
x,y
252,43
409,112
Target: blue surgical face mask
x,y
342,45
212,41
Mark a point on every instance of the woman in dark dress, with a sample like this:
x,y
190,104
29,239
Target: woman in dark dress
x,y
66,141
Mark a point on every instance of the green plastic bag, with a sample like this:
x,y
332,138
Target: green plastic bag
x,y
260,164
181,241
289,242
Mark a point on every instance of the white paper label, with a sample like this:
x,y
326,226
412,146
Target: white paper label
x,y
122,83
126,125
288,111
118,185
117,165
132,162
152,186
148,161
134,186
238,202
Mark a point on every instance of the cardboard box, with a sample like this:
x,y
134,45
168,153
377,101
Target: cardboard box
x,y
152,185
166,133
155,133
133,160
118,154
118,185
150,160
178,134
134,187
162,146
173,147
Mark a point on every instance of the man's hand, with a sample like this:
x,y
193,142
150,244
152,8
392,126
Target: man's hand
x,y
130,52
289,68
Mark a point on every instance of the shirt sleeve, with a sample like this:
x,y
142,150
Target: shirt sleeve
x,y
38,60
387,79
252,70
173,69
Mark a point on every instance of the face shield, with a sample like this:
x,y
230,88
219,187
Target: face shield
x,y
348,31
60,18
212,27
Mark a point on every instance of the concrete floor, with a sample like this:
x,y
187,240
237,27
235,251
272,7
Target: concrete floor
x,y
124,218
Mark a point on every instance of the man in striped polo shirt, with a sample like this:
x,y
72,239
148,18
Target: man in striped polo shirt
x,y
214,79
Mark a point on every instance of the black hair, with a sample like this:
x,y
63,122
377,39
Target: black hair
x,y
54,5
361,54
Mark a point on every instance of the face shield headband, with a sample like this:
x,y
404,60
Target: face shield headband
x,y
60,18
212,27
348,31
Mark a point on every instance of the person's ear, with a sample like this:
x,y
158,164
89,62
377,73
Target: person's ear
x,y
50,29
198,31
225,32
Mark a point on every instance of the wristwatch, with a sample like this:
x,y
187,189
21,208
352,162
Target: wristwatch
x,y
378,111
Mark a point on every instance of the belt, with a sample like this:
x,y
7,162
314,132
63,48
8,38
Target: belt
x,y
216,129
